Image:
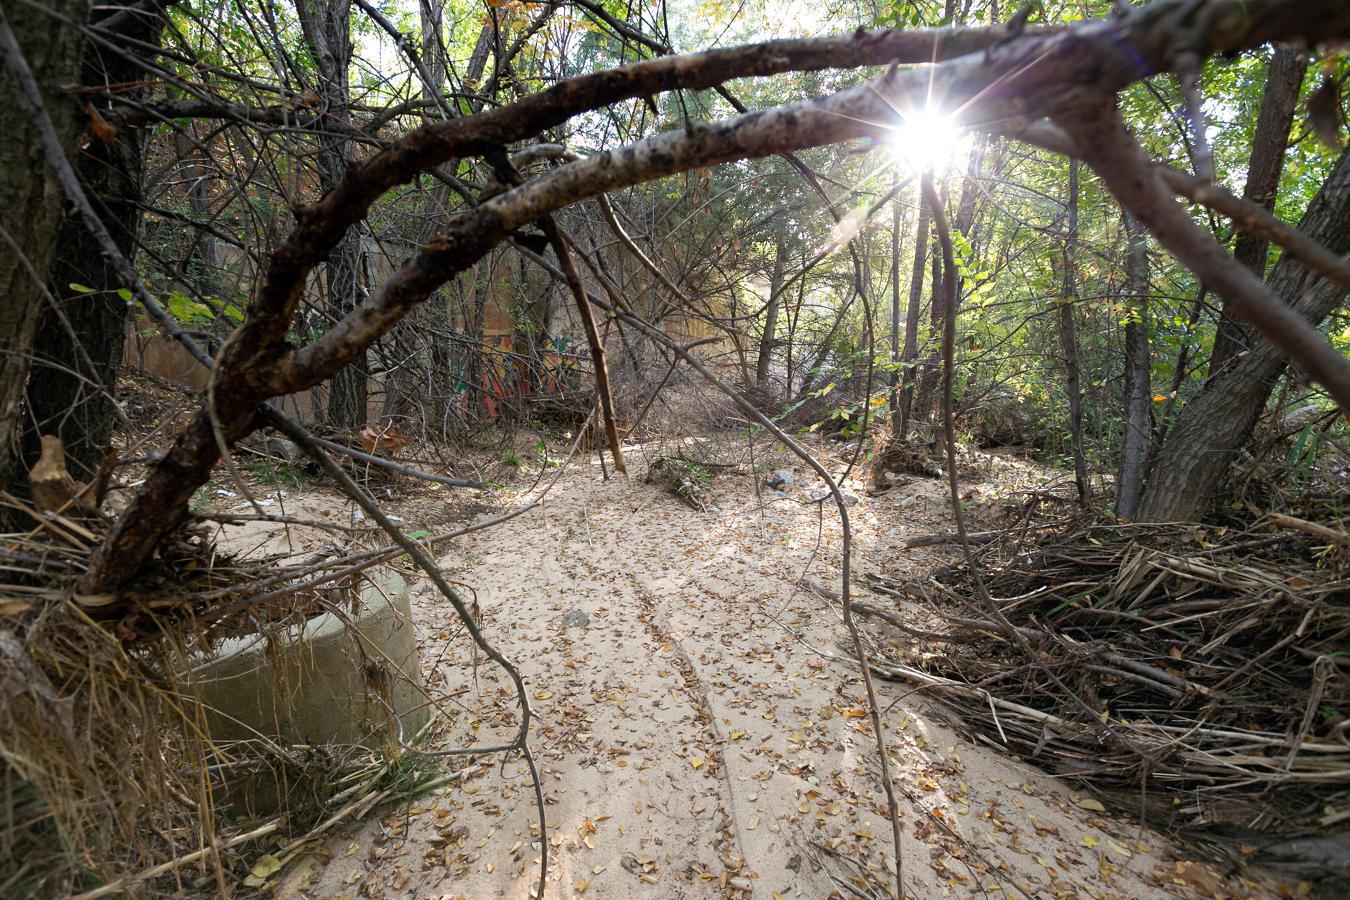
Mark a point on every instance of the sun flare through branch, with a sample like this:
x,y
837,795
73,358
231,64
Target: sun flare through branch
x,y
926,140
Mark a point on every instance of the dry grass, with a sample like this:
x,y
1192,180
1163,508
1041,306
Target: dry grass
x,y
108,778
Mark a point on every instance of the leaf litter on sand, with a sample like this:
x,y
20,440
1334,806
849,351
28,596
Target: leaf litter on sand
x,y
702,646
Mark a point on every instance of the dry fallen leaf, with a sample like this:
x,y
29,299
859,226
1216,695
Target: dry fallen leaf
x,y
266,866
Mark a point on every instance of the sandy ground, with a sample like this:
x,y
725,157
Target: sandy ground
x,y
699,734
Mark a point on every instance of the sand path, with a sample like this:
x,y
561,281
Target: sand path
x,y
698,735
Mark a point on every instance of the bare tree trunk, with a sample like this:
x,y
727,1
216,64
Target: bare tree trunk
x,y
970,192
1068,339
738,339
893,382
197,167
1269,143
965,216
1163,419
80,341
475,308
258,366
794,316
937,314
768,341
327,28
911,352
1211,428
1134,442
31,213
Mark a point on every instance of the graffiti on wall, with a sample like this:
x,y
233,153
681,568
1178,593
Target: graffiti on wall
x,y
504,373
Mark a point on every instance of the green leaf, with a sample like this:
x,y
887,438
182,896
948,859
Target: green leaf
x,y
81,288
188,311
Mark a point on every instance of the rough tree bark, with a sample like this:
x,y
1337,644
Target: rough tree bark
x,y
1218,421
80,339
1134,440
1269,142
326,25
31,213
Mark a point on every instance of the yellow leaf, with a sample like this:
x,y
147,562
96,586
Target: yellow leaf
x,y
854,713
696,762
266,865
1089,803
737,735
542,695
1089,841
581,885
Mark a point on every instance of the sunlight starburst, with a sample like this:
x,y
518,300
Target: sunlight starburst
x,y
926,140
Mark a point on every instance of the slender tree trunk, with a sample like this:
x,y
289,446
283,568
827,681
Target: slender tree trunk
x,y
970,192
1164,417
1068,339
911,352
965,216
928,376
768,341
197,167
1269,142
1219,420
31,213
475,310
1134,441
794,316
893,382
